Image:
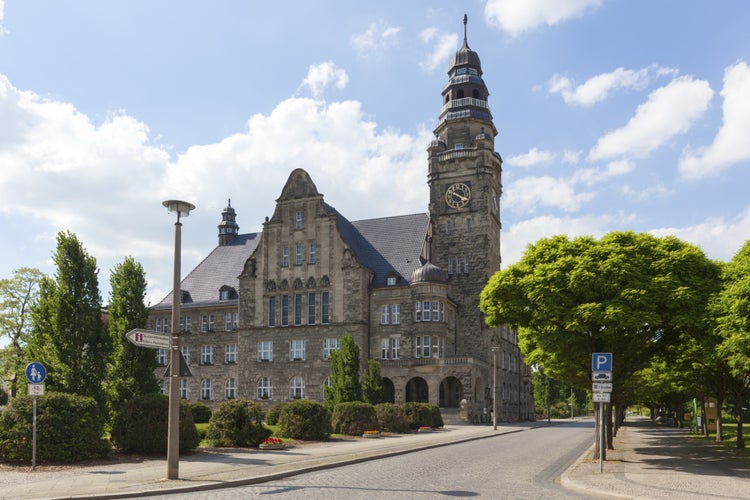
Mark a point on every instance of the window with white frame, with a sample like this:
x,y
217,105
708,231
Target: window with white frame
x,y
185,350
230,389
423,346
418,311
265,391
311,254
426,310
297,350
385,348
204,323
395,347
285,257
166,325
236,321
207,391
184,389
158,325
330,345
298,221
161,357
265,350
207,354
228,322
435,312
230,353
298,254
187,324
297,388
385,314
163,386
182,324
311,305
211,322
390,281
396,314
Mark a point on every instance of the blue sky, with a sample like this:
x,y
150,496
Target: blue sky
x,y
613,115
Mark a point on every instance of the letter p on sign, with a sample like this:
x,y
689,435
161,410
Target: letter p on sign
x,y
601,362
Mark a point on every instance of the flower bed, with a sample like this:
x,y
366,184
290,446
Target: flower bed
x,y
271,444
371,434
424,428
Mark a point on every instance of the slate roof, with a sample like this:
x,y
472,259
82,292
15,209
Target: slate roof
x,y
384,245
221,267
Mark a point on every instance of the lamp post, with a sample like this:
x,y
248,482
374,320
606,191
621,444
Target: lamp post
x,y
494,387
182,208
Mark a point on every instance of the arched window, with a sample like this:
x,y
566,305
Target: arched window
x,y
297,388
230,389
460,94
207,392
475,94
265,391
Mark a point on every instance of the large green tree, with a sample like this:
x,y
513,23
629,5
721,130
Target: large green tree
x,y
68,334
132,370
17,297
632,294
344,364
373,390
731,310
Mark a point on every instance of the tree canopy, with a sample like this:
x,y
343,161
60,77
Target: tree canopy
x,y
632,294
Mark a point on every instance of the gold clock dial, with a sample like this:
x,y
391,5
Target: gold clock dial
x,y
457,195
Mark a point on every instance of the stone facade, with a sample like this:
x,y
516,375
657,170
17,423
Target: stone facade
x,y
406,288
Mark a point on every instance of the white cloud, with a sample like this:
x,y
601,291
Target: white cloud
x,y
321,76
669,110
520,235
377,37
591,176
3,31
517,16
106,181
599,87
443,46
528,193
533,157
731,144
718,238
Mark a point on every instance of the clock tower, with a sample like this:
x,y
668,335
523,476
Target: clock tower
x,y
465,188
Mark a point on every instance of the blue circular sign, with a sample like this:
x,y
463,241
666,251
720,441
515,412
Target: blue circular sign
x,y
36,372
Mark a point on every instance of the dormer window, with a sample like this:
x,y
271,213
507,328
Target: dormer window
x,y
184,296
227,293
391,280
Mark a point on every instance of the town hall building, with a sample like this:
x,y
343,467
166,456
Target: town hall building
x,y
262,312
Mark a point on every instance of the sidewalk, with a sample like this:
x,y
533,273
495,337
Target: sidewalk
x,y
658,462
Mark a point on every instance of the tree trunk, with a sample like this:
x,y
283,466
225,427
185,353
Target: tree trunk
x,y
740,403
608,428
719,432
704,422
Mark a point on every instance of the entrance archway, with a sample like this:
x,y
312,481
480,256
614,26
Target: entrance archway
x,y
451,392
417,391
389,391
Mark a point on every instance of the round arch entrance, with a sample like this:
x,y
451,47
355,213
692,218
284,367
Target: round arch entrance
x,y
389,391
451,392
417,391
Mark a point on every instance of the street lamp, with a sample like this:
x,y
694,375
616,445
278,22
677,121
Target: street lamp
x,y
182,208
494,387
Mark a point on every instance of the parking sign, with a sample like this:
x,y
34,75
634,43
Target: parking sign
x,y
601,362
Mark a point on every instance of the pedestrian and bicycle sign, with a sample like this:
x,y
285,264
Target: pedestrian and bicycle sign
x,y
36,372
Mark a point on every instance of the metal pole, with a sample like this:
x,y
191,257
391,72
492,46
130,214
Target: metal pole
x,y
33,434
494,387
173,426
601,437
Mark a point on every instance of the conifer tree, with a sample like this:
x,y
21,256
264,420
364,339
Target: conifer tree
x,y
373,391
68,334
344,365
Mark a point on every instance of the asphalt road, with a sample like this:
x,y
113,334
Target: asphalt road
x,y
520,465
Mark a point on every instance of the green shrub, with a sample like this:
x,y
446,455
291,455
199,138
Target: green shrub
x,y
392,418
140,425
272,416
69,429
237,422
419,414
305,420
201,412
353,418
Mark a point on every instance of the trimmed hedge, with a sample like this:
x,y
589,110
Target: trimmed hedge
x,y
305,420
69,429
392,418
272,416
201,412
419,414
140,426
237,422
353,418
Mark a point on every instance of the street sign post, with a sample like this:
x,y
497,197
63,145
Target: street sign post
x,y
148,338
601,375
601,397
601,387
35,374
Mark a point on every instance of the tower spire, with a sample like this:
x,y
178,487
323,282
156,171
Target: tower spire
x,y
466,20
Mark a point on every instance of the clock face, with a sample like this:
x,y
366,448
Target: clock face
x,y
457,195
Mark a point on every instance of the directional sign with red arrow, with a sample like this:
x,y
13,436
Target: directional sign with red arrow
x,y
148,338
